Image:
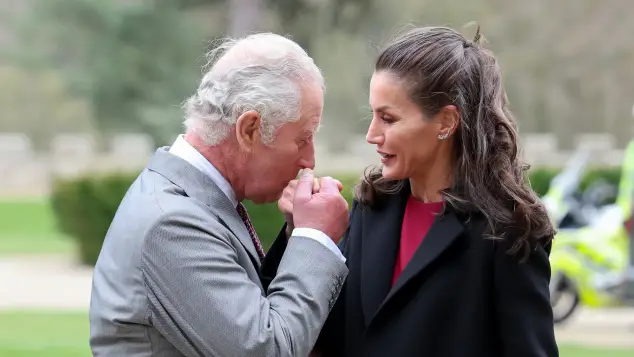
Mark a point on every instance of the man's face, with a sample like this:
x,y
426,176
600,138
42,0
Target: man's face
x,y
272,167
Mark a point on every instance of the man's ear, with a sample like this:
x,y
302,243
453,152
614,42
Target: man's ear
x,y
248,130
449,119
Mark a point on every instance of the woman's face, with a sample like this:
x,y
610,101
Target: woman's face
x,y
406,139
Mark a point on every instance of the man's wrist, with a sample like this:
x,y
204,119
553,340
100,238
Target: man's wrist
x,y
320,237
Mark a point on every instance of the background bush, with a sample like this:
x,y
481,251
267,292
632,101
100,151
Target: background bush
x,y
84,206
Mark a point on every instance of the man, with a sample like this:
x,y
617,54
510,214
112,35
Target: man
x,y
180,271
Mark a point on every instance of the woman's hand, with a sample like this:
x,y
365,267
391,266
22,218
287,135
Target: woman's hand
x,y
285,205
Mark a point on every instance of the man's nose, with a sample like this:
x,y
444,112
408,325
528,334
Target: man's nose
x,y
308,164
307,160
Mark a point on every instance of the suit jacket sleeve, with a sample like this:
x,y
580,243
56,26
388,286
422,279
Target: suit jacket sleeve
x,y
524,313
332,337
202,301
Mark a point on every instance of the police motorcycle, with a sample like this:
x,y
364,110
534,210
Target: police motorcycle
x,y
592,258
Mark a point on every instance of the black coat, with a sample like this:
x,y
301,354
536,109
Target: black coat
x,y
461,294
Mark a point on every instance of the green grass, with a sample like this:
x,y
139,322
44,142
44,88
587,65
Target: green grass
x,y
45,334
51,334
29,228
577,351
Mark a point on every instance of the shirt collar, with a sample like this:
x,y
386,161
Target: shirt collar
x,y
185,151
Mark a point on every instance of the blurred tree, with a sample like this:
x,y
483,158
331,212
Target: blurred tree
x,y
308,19
135,62
132,62
297,17
346,110
38,103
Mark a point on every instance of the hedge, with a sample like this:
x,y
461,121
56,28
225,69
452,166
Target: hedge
x,y
84,206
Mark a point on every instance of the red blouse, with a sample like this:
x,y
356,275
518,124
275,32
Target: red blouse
x,y
418,218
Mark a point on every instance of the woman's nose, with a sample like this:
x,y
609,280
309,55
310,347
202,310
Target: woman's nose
x,y
374,135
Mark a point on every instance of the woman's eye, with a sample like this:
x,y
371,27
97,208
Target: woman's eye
x,y
387,119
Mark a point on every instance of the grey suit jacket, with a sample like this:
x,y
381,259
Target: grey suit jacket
x,y
178,275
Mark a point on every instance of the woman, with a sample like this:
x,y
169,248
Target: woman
x,y
447,245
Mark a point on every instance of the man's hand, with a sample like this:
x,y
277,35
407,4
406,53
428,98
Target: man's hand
x,y
325,210
285,203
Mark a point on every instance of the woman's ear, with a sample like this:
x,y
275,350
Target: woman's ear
x,y
449,119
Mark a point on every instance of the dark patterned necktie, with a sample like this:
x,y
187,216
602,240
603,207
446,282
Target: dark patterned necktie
x,y
242,211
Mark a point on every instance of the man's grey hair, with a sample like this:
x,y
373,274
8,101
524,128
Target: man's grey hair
x,y
264,72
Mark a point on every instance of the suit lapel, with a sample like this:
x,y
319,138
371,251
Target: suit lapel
x,y
201,187
380,243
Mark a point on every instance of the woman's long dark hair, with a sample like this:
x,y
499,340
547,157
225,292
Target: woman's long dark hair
x,y
442,68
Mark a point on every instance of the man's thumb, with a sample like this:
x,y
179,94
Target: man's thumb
x,y
304,188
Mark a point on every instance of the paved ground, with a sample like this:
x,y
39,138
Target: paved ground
x,y
606,327
54,283
50,282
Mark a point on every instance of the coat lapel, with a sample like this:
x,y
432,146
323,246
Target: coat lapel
x,y
444,231
201,187
379,245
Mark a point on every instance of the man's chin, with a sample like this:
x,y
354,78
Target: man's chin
x,y
272,198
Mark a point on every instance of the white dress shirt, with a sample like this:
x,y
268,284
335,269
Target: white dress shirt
x,y
185,151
